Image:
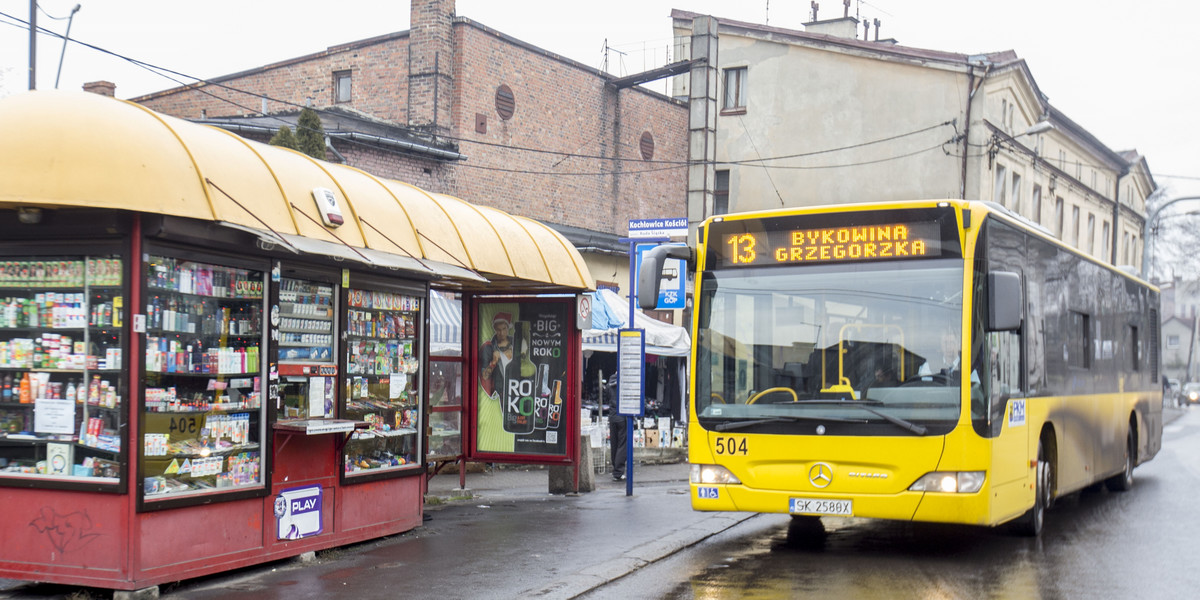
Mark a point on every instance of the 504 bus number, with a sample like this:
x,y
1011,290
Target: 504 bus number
x,y
184,425
731,445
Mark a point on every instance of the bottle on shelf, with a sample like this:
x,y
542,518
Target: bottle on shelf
x,y
25,390
7,393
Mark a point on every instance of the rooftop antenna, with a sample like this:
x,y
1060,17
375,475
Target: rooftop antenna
x,y
767,14
815,8
846,13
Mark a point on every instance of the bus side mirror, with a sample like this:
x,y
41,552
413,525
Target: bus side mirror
x,y
650,274
1004,301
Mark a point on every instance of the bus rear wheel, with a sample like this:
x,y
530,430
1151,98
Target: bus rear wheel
x,y
1030,523
1123,481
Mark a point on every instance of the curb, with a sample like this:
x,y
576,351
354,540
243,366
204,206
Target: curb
x,y
595,576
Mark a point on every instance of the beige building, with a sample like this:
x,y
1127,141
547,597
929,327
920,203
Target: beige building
x,y
796,118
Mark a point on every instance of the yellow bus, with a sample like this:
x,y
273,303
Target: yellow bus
x,y
939,361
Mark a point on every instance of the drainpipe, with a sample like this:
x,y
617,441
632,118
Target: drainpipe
x,y
973,85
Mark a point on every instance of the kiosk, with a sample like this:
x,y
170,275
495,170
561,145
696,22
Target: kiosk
x,y
214,352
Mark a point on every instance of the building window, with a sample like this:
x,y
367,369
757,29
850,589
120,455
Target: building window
x,y
998,194
721,193
1016,193
735,90
1125,250
1107,240
1172,341
1079,341
1062,159
1075,220
1058,217
1135,349
1091,234
341,86
1037,204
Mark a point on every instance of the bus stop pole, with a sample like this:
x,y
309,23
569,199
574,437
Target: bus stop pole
x,y
633,264
629,419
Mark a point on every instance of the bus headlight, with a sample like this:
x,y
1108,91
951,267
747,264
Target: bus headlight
x,y
963,482
712,474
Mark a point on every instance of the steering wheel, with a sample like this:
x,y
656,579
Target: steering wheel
x,y
754,398
927,380
715,397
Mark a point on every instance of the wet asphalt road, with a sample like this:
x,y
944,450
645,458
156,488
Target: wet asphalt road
x,y
1097,545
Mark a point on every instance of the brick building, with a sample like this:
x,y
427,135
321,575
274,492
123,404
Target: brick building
x,y
454,107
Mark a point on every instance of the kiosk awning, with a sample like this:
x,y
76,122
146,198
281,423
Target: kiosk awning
x,y
75,149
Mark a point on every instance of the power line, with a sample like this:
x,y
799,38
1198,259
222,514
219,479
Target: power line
x,y
200,84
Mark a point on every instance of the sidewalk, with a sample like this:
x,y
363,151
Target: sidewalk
x,y
504,536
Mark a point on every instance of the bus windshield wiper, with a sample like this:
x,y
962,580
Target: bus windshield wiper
x,y
731,425
909,425
866,405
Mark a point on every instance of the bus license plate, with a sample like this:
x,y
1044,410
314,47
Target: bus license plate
x,y
814,506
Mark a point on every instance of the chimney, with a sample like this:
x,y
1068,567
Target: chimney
x,y
104,88
430,65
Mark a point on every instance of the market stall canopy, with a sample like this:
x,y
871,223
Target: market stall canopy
x,y
445,324
75,149
662,339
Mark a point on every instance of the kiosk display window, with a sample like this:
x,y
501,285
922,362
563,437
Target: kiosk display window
x,y
445,406
306,340
382,381
202,420
61,343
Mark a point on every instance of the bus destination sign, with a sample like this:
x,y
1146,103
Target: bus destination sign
x,y
882,242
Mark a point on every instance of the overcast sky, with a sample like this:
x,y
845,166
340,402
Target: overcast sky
x,y
1123,70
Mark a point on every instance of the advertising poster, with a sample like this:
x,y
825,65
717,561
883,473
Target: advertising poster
x,y
522,377
298,512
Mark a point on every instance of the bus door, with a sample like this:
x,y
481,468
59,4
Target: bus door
x,y
1000,318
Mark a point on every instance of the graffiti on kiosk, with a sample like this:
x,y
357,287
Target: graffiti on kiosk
x,y
71,531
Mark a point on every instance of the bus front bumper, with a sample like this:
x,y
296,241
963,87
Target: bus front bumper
x,y
934,507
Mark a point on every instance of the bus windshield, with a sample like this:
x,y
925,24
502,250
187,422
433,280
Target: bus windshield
x,y
858,349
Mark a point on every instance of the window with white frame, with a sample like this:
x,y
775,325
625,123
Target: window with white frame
x,y
1106,240
1036,199
1075,220
1016,193
735,89
998,192
341,86
1059,221
1091,234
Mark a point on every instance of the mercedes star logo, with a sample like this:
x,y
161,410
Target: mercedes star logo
x,y
820,475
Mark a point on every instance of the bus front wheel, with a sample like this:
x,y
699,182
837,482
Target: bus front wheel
x,y
1030,523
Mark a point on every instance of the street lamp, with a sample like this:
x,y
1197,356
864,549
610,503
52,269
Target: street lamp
x,y
1041,126
1147,227
66,38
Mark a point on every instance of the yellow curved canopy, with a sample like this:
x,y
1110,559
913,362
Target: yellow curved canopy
x,y
76,149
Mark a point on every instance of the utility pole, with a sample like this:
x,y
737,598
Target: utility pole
x,y
33,44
